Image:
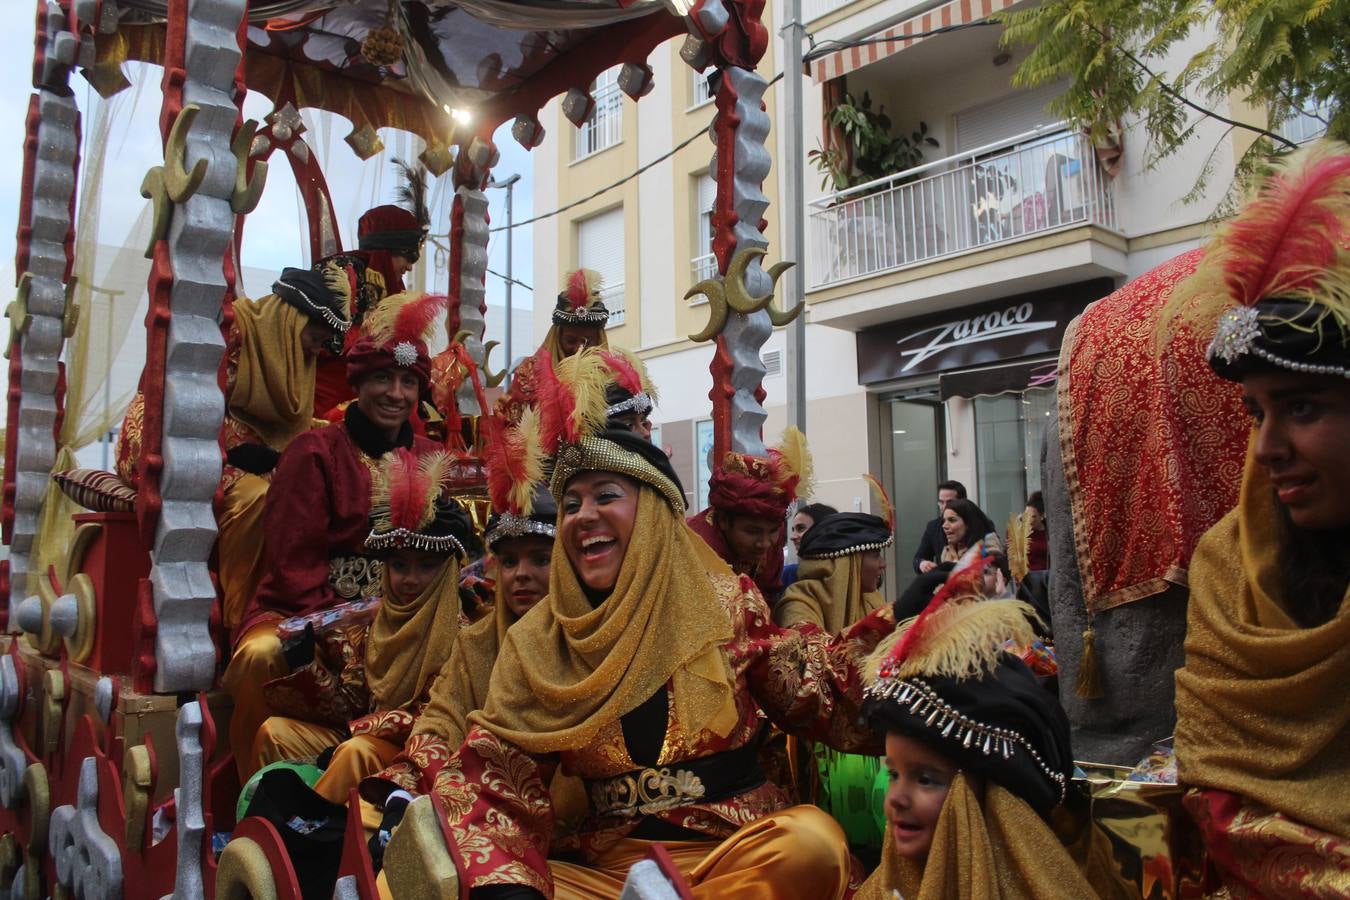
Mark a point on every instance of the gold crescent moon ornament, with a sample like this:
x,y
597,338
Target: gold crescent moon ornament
x,y
729,292
717,308
491,378
247,190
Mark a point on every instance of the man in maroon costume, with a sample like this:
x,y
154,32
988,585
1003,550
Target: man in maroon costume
x,y
317,512
390,240
748,500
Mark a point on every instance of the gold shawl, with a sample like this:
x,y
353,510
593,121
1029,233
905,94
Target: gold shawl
x,y
566,669
273,390
828,593
995,850
410,642
462,685
1263,704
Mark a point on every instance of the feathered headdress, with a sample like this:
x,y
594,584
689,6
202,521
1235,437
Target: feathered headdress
x,y
404,322
629,390
1274,283
628,371
959,634
885,509
945,677
412,191
1019,539
794,471
404,495
572,398
579,303
515,462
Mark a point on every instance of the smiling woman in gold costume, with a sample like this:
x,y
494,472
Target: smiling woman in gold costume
x,y
648,677
1263,701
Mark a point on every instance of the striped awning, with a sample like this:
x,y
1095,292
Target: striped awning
x,y
894,39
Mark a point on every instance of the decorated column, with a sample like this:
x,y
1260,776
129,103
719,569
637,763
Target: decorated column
x,y
728,36
469,257
42,315
196,195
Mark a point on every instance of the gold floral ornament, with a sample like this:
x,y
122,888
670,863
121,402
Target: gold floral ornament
x,y
172,183
383,46
729,294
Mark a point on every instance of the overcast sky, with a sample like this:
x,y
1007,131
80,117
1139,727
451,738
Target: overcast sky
x,y
275,233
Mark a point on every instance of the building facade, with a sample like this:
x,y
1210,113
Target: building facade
x,y
937,296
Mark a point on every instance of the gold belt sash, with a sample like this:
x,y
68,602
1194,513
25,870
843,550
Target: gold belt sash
x,y
645,792
354,577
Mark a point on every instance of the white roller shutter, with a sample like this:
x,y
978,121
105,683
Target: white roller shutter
x,y
600,247
1010,115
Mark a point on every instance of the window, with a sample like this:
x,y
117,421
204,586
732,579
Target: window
x,y
604,127
1307,124
704,264
773,362
600,247
699,92
1009,431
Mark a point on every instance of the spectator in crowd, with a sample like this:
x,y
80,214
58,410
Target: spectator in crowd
x,y
929,553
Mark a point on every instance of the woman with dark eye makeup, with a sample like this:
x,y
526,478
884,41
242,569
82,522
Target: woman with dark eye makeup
x,y
648,676
1263,700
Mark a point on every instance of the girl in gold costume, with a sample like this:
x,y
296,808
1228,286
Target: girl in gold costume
x,y
978,759
366,684
1263,700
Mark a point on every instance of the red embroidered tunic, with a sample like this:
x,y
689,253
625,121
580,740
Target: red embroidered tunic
x,y
318,507
802,679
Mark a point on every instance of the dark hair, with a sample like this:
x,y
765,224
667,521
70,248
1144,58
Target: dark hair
x,y
1316,570
1036,502
977,523
816,511
953,486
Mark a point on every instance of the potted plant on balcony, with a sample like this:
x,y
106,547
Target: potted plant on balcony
x,y
866,150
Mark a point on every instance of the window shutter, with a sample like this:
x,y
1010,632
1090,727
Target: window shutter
x,y
1010,115
600,247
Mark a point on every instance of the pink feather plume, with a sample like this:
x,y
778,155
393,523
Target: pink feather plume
x,y
1291,233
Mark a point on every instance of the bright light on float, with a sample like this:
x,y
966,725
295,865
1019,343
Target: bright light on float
x,y
461,116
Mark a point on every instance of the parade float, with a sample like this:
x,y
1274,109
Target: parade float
x,y
115,779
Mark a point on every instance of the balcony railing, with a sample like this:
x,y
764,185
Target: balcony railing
x,y
1033,183
704,266
604,128
612,296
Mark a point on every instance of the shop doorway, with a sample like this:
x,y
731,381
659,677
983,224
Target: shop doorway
x,y
1009,431
917,450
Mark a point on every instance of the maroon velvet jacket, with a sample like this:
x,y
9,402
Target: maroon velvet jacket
x,y
318,507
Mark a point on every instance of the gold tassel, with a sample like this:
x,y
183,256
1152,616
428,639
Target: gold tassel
x,y
1089,674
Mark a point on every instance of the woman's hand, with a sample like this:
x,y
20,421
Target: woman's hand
x,y
927,566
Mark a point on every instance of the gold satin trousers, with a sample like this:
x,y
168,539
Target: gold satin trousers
x,y
799,853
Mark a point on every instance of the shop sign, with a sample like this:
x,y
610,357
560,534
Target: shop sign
x,y
1008,329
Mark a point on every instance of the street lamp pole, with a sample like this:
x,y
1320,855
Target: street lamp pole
x,y
794,213
510,185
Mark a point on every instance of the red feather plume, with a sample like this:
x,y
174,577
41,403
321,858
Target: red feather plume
x,y
622,371
409,484
1291,233
578,289
1292,240
963,581
555,403
415,318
